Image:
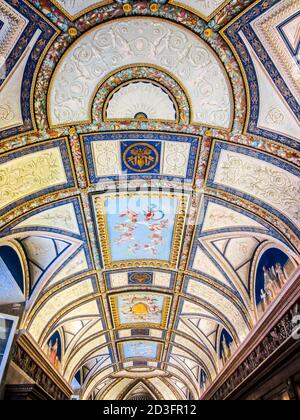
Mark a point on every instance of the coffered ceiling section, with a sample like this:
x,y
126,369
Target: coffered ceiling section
x,y
149,183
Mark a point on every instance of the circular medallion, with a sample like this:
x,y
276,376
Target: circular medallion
x,y
208,33
72,32
154,7
141,157
127,8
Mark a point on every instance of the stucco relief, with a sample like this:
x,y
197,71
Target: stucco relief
x,y
61,217
74,8
274,113
204,8
11,29
29,174
263,180
11,90
141,99
176,158
107,158
267,27
131,41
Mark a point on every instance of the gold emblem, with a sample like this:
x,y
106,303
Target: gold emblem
x,y
208,33
141,277
72,131
154,7
141,157
127,8
72,32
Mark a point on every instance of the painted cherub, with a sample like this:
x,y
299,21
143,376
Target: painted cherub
x,y
156,239
132,216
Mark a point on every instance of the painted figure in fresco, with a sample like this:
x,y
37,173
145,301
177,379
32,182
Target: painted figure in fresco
x,y
133,249
157,239
269,283
151,248
132,216
264,298
142,350
154,213
226,350
282,278
274,280
152,217
159,227
52,352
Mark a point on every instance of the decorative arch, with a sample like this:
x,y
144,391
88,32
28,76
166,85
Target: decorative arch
x,y
139,72
15,273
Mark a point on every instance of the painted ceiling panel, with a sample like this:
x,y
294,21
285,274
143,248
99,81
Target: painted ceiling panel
x,y
171,157
68,296
140,227
268,181
205,8
62,217
267,28
11,91
149,183
29,174
219,216
274,112
117,45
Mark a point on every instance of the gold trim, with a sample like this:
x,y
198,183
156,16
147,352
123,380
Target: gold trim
x,y
160,19
113,301
181,213
27,343
128,149
241,66
36,73
129,82
127,8
122,359
82,12
199,139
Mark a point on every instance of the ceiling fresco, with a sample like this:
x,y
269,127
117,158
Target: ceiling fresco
x,y
149,183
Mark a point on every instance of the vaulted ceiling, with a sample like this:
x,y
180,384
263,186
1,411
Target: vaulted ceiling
x,y
149,157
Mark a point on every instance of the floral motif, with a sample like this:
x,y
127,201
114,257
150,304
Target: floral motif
x,y
6,113
132,42
264,181
29,174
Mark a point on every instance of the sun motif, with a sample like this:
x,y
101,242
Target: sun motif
x,y
140,310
